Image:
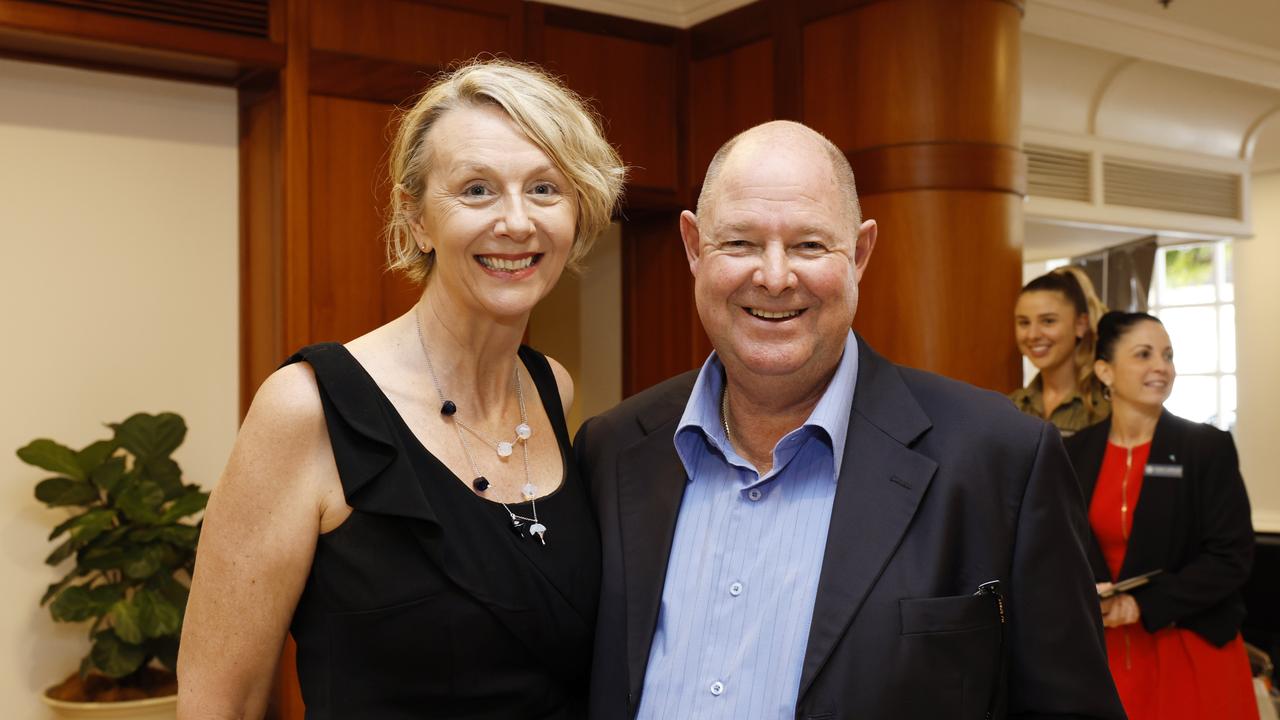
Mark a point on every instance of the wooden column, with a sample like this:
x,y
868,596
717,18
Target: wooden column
x,y
924,97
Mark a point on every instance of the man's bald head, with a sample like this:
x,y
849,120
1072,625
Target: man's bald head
x,y
780,136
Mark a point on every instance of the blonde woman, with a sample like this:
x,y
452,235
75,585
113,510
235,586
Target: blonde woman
x,y
1056,327
407,504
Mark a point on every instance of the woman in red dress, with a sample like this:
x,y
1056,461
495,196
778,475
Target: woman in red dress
x,y
1165,494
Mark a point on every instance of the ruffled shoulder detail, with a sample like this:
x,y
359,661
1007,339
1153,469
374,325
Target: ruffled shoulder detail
x,y
372,463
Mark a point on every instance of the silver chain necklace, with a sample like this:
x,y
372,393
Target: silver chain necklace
x,y
522,526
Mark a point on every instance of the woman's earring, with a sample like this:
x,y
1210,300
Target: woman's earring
x,y
1106,392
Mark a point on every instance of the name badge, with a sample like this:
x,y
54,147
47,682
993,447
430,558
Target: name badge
x,y
1167,471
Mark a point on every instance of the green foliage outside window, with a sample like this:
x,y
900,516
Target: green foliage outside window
x,y
1189,267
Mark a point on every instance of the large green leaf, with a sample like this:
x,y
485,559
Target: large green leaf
x,y
114,657
141,563
141,501
62,552
126,620
165,473
184,536
102,558
168,586
52,456
60,491
151,436
157,616
95,454
191,503
92,524
80,602
65,525
84,529
107,475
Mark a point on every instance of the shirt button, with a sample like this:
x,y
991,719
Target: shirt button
x,y
754,494
735,589
717,688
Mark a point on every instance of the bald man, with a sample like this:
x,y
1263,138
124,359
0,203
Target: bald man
x,y
802,529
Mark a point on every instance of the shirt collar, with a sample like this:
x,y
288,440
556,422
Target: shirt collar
x,y
830,415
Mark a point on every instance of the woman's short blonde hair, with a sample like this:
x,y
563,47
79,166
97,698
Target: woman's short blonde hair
x,y
554,118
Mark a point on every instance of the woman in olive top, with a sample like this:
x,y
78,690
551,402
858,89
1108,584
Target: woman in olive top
x,y
1055,324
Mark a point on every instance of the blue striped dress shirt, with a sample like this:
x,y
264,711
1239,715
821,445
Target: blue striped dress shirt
x,y
743,573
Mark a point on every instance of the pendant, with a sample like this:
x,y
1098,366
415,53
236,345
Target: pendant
x,y
529,491
518,527
504,449
538,530
523,431
480,484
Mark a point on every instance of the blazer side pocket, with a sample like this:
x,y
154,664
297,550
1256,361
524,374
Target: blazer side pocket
x,y
958,613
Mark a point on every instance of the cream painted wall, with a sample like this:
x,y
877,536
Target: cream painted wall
x,y
580,325
119,288
1256,267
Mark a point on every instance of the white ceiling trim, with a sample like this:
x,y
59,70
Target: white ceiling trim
x,y
1097,25
674,13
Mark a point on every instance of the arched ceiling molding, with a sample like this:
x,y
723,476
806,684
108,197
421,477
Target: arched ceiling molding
x,y
1060,83
1098,25
1264,144
1170,107
1107,81
1251,135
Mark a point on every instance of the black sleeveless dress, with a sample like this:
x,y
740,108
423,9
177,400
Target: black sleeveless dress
x,y
424,603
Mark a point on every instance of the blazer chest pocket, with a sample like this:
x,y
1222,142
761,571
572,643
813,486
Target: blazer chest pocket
x,y
960,613
955,644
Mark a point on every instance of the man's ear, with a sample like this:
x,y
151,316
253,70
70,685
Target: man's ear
x,y
692,238
863,246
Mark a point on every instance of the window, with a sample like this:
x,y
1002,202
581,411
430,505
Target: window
x,y
1193,294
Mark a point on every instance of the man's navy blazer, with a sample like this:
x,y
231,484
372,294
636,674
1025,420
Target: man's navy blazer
x,y
943,487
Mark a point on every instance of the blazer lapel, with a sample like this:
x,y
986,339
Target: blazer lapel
x,y
651,482
1089,464
882,481
1153,514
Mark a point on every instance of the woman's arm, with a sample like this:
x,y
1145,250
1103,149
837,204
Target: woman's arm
x,y
255,550
1225,552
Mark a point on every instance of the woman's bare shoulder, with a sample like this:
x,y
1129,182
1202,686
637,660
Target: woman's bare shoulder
x,y
564,381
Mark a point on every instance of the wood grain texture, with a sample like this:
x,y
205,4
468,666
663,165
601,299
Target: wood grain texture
x,y
940,166
728,93
78,34
662,335
942,283
633,85
349,141
353,76
415,33
261,233
892,73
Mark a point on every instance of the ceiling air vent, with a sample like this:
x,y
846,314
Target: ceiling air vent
x,y
1166,187
239,17
1057,173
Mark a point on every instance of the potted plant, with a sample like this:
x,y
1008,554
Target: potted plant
x,y
133,545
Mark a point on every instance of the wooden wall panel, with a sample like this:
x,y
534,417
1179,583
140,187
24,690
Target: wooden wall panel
x,y
348,192
634,87
961,56
942,283
261,231
728,93
662,335
418,33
